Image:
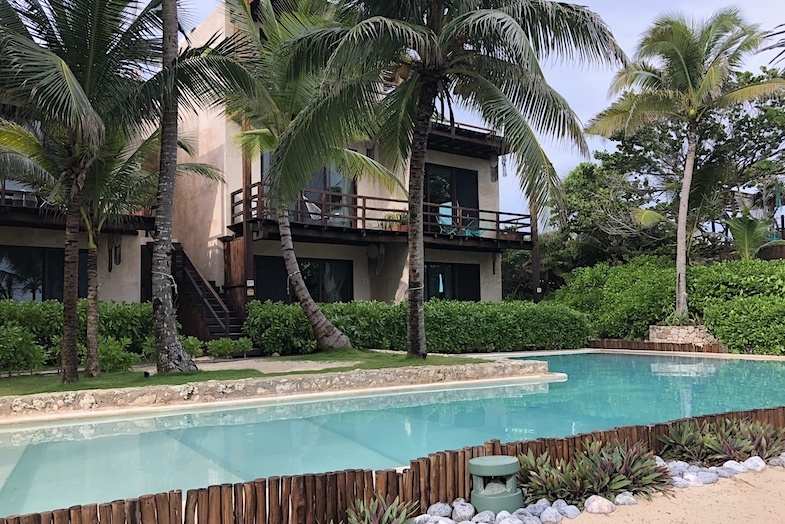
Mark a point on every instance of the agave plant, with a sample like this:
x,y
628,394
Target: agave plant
x,y
379,511
685,441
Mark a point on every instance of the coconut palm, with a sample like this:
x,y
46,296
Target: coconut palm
x,y
682,70
483,54
77,67
267,111
119,183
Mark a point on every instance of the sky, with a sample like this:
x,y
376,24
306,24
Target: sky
x,y
586,88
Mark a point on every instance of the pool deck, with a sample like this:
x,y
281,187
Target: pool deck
x,y
16,410
112,403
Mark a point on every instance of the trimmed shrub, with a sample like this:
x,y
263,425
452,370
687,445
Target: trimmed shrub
x,y
220,348
735,279
622,301
113,354
44,320
18,350
192,345
749,324
450,326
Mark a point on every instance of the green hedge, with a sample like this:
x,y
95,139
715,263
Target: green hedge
x,y
44,320
623,300
749,324
450,326
729,280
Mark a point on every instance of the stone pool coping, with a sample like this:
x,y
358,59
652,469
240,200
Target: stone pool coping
x,y
15,410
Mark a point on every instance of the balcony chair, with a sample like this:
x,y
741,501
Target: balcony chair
x,y
446,220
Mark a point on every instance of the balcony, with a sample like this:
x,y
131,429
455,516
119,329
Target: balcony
x,y
326,216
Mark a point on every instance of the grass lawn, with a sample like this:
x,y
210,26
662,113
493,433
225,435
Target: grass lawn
x,y
355,359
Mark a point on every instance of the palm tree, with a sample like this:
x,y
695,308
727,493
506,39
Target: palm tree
x,y
171,355
69,85
267,111
483,54
77,68
682,70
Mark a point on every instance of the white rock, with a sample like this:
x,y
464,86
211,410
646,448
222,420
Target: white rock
x,y
509,520
625,499
559,503
736,467
777,462
571,511
422,519
521,513
723,472
531,519
600,505
679,463
676,470
462,511
440,509
694,468
551,516
458,501
754,464
659,461
693,479
535,510
503,514
485,517
441,520
678,482
708,477
544,502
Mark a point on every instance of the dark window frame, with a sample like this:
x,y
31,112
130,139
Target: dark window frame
x,y
317,294
459,273
51,269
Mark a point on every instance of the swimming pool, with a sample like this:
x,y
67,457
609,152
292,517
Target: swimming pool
x,y
96,461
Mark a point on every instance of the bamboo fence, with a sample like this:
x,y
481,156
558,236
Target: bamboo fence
x,y
324,497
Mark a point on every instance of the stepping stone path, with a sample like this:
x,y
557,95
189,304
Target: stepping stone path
x,y
683,476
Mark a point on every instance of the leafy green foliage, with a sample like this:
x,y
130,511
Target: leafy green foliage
x,y
604,469
716,442
451,326
379,511
622,301
18,350
192,345
44,321
749,324
735,279
220,348
113,354
685,441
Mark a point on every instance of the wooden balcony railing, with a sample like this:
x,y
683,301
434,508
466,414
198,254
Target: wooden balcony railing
x,y
18,198
349,211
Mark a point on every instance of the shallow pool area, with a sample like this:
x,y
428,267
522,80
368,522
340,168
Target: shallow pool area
x,y
59,465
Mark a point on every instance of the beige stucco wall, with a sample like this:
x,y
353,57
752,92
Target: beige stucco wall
x,y
124,281
357,254
202,207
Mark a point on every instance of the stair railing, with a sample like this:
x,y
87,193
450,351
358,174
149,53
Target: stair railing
x,y
196,282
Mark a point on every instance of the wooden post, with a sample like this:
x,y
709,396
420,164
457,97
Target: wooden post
x,y
190,506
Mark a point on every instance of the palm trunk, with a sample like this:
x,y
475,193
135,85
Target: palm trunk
x,y
73,218
535,228
171,356
92,365
416,314
327,335
681,224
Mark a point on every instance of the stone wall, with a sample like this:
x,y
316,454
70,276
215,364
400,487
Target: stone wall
x,y
82,402
697,335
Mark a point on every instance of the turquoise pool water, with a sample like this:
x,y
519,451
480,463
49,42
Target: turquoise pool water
x,y
97,461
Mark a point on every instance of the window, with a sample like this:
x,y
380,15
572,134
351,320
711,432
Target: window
x,y
327,200
452,281
448,187
327,280
36,273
